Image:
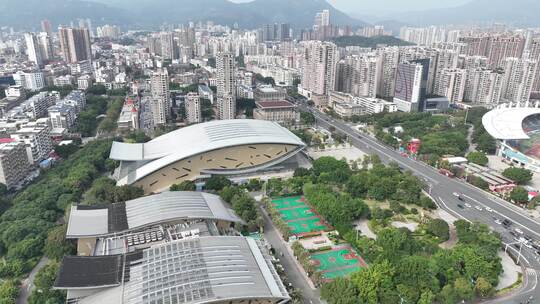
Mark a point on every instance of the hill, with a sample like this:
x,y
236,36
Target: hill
x,y
516,12
370,42
153,13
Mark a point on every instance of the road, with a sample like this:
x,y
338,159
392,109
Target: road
x,y
28,283
442,189
272,235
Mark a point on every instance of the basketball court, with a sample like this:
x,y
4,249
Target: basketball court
x,y
300,218
338,262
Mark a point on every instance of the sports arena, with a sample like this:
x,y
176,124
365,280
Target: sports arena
x,y
517,130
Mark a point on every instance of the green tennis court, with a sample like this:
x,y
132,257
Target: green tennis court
x,y
289,202
306,225
296,213
338,263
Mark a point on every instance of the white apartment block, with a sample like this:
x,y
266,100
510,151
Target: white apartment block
x,y
32,49
37,140
451,84
14,165
193,108
62,116
33,81
64,80
387,81
159,83
84,82
484,86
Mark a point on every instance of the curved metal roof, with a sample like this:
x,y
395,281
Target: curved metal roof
x,y
507,123
147,211
198,139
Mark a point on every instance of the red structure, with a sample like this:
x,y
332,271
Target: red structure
x,y
414,146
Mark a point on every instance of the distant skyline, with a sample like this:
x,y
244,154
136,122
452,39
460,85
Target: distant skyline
x,y
383,7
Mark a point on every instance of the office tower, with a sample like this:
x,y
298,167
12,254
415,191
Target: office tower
x,y
193,108
46,27
319,67
32,49
411,81
519,80
167,45
45,46
159,83
451,84
75,44
284,32
226,86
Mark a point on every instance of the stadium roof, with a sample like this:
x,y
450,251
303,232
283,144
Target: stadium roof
x,y
507,123
145,211
200,270
90,271
197,139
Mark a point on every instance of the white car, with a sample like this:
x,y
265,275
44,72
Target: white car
x,y
498,221
489,209
468,205
478,208
455,194
528,245
518,231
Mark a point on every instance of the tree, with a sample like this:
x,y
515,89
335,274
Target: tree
x,y
478,158
340,291
97,89
9,290
374,282
439,228
43,292
519,175
299,172
448,295
519,195
463,289
56,245
184,186
478,182
483,287
307,118
217,183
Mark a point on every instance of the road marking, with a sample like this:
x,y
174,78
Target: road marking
x,y
518,253
495,211
532,273
449,209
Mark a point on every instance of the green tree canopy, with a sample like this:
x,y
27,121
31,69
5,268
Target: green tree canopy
x,y
478,158
519,175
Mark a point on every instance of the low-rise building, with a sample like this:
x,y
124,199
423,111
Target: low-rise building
x,y
129,116
84,82
64,80
62,116
269,93
276,110
206,93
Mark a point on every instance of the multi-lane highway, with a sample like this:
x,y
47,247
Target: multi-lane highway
x,y
476,205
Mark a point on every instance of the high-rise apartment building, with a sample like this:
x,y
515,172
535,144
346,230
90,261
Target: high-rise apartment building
x,y
483,86
389,61
37,140
359,75
519,80
319,67
75,44
46,27
451,84
159,82
32,49
193,108
411,82
45,46
167,45
226,86
14,164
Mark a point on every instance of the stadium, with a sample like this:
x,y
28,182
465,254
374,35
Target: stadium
x,y
222,147
517,130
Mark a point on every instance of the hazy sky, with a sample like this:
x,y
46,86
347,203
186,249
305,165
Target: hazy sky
x,y
359,7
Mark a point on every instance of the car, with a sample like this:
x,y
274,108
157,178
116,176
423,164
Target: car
x,y
538,252
478,208
498,221
528,238
512,233
460,206
518,231
489,209
516,245
468,205
528,245
455,194
507,222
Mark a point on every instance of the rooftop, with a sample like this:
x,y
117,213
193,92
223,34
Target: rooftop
x,y
188,271
150,210
269,104
506,123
